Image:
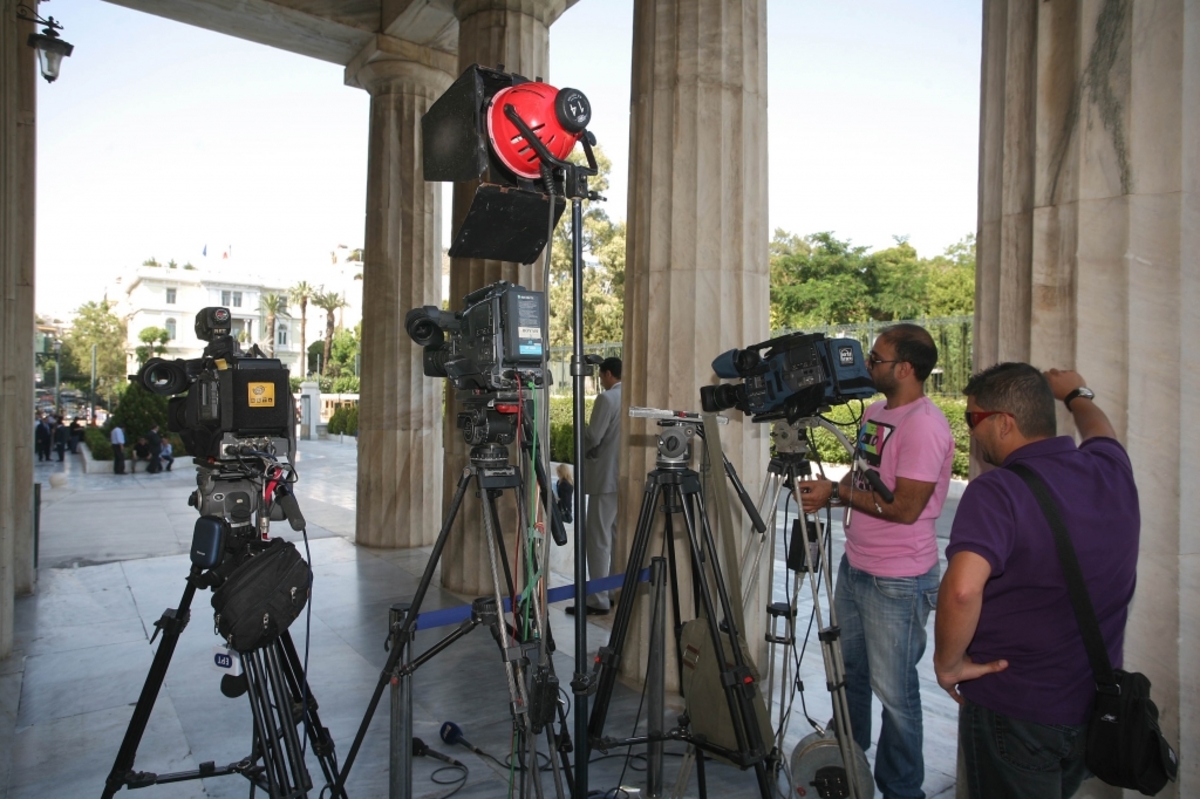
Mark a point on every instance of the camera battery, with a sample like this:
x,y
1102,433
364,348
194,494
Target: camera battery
x,y
524,325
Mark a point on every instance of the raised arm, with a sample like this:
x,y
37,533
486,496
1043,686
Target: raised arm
x,y
1090,421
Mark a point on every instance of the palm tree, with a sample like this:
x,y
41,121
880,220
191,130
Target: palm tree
x,y
300,294
273,305
330,302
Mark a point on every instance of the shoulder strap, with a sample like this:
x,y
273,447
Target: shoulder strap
x,y
1080,601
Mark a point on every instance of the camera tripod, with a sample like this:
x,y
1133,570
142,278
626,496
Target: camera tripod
x,y
678,487
274,679
525,647
827,759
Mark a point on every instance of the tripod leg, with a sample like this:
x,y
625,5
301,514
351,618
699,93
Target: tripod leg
x,y
739,691
393,660
265,735
610,656
171,624
318,734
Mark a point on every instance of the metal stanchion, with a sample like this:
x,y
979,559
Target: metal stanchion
x,y
400,755
656,677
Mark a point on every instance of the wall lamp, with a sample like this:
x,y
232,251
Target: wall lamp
x,y
50,47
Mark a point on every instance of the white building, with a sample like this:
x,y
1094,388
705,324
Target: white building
x,y
169,298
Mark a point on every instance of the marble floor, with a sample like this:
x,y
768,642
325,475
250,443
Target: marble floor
x,y
112,557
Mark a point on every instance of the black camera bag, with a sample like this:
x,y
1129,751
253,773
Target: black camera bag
x,y
262,597
1125,746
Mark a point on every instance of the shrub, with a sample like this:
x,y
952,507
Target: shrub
x,y
562,428
294,383
138,411
98,444
344,421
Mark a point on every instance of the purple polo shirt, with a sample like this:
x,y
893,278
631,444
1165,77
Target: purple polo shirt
x,y
1027,617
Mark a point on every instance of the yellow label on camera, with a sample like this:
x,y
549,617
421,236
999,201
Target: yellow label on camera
x,y
262,395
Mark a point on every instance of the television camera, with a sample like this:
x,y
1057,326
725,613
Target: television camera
x,y
488,351
789,377
234,403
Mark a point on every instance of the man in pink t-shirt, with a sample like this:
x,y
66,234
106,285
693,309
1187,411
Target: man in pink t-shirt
x,y
888,579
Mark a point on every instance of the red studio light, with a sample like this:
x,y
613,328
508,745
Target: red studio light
x,y
557,117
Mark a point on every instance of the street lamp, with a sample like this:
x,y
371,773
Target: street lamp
x,y
51,48
57,377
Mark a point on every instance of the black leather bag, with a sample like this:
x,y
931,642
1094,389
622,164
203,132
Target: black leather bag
x,y
262,597
1125,746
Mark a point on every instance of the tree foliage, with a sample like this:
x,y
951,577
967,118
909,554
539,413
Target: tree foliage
x,y
154,344
603,273
95,323
301,294
273,306
330,302
138,411
821,280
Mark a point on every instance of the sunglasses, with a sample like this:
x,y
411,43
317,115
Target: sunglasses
x,y
975,417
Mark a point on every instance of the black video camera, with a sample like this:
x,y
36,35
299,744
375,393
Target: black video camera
x,y
493,345
797,376
235,403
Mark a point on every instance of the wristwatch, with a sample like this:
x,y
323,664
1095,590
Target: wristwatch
x,y
1082,391
836,493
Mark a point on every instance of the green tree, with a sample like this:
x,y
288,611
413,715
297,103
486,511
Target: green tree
x,y
301,294
603,273
330,302
951,290
95,323
154,344
273,306
901,281
830,283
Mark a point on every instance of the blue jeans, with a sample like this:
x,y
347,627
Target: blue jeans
x,y
1009,757
883,637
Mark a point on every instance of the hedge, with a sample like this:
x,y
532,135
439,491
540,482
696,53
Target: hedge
x,y
98,444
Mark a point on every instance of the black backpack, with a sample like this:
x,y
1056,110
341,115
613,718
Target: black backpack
x,y
262,597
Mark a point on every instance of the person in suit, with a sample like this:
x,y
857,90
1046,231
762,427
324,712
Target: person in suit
x,y
601,441
42,435
154,446
564,491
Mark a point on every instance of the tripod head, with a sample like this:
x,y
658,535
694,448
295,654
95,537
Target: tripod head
x,y
679,428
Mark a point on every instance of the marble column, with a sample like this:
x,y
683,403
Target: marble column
x,y
400,412
696,268
515,34
1089,229
18,139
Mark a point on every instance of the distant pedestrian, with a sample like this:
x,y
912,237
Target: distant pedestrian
x,y
42,435
154,445
168,456
62,438
76,434
117,437
141,452
564,491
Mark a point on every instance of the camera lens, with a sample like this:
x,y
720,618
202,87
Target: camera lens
x,y
422,329
434,362
714,399
164,377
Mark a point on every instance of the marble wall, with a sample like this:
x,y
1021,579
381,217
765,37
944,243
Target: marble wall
x,y
1089,234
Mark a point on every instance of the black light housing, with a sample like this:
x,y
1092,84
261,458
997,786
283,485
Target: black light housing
x,y
509,215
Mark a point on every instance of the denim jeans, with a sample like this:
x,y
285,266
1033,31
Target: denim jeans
x,y
883,637
1008,757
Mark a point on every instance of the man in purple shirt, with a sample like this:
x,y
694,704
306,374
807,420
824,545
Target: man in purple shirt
x,y
1008,646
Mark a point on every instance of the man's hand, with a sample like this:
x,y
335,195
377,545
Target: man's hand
x,y
1063,382
950,677
814,494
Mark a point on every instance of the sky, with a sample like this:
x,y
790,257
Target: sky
x,y
163,140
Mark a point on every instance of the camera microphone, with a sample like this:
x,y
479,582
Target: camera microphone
x,y
880,487
421,749
452,734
